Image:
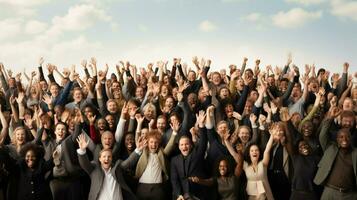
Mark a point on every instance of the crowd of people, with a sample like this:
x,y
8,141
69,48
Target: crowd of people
x,y
184,133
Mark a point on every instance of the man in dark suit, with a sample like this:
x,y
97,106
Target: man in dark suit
x,y
107,181
189,163
338,166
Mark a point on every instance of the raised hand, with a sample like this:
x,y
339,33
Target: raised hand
x,y
91,119
93,61
253,118
124,111
66,72
40,61
84,63
132,112
139,118
78,117
20,97
210,110
9,72
47,99
334,112
82,143
284,114
33,74
141,143
237,116
201,117
175,126
346,65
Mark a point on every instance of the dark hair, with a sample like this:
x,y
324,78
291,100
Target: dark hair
x,y
229,166
247,150
177,115
38,150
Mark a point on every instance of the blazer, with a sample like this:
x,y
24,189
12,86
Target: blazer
x,y
144,159
68,149
192,165
330,149
96,174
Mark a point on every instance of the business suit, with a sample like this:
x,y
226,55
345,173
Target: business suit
x,y
155,190
331,151
192,165
96,174
67,184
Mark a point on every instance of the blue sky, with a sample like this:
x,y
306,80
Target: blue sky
x,y
64,32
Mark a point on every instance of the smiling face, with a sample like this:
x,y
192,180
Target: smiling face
x,y
223,168
169,103
60,132
304,148
161,123
105,159
222,129
110,120
164,91
102,124
224,93
254,153
153,144
185,146
30,159
112,106
228,109
129,142
244,135
307,129
77,95
344,139
20,136
107,140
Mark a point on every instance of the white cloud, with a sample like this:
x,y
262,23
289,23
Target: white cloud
x,y
207,26
35,27
306,2
344,9
24,3
253,17
295,18
80,17
10,28
20,8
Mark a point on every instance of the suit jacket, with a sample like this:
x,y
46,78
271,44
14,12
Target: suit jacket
x,y
192,165
144,159
330,152
330,149
96,174
68,149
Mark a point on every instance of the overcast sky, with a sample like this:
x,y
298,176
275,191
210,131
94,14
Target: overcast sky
x,y
323,32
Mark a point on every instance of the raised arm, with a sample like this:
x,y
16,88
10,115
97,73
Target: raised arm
x,y
325,125
84,162
266,155
5,127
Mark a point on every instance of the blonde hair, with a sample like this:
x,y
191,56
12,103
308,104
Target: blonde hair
x,y
13,139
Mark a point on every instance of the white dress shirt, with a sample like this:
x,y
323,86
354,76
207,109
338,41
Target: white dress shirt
x,y
110,188
153,171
